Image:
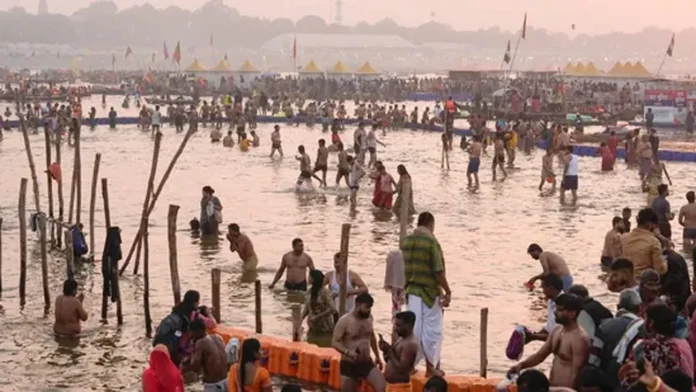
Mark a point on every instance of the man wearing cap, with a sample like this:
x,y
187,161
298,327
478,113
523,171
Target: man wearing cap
x,y
275,141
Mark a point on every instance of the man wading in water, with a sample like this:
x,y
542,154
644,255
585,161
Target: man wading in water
x,y
69,311
297,263
240,243
209,356
353,337
400,357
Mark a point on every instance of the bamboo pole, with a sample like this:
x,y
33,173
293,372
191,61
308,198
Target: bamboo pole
x,y
78,175
71,203
93,203
343,271
105,196
32,167
0,257
61,202
257,296
216,278
146,284
173,256
484,343
22,242
105,295
160,187
150,187
69,253
405,210
296,323
44,262
49,184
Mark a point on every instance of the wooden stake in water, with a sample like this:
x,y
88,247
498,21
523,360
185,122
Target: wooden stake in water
x,y
149,188
32,167
22,242
296,323
69,253
405,210
93,203
44,262
49,182
257,296
173,255
146,284
216,278
61,202
78,176
160,187
484,343
343,270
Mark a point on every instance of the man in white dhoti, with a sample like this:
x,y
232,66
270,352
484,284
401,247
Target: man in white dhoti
x,y
425,283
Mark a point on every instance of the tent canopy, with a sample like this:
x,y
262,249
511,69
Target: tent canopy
x,y
366,69
591,70
640,71
223,66
617,69
568,68
340,68
311,67
196,66
247,66
579,69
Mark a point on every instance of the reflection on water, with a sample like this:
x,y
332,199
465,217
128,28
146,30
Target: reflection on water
x,y
484,236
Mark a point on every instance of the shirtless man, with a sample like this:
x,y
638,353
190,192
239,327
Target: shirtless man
x,y
356,173
321,163
228,141
210,357
400,357
343,165
353,337
687,218
69,311
296,262
474,151
547,170
568,342
499,155
240,243
275,141
551,263
305,167
359,143
612,242
354,284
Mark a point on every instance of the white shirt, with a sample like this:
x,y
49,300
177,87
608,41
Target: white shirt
x,y
156,118
550,316
355,174
336,289
573,165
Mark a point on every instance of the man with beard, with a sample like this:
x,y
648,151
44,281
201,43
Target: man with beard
x,y
568,342
353,337
401,356
297,262
209,357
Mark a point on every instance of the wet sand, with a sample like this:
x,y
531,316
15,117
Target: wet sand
x,y
484,236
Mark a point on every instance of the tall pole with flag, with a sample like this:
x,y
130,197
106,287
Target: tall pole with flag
x,y
523,36
177,55
113,62
669,52
506,56
294,55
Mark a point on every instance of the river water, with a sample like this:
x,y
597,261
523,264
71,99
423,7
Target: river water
x,y
484,236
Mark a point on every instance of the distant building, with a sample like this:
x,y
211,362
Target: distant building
x,y
43,7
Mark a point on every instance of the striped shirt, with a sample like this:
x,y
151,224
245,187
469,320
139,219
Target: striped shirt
x,y
422,261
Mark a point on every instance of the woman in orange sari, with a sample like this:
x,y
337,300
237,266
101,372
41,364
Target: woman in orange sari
x,y
247,375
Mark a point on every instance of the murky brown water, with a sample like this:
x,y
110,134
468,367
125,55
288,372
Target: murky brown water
x,y
484,236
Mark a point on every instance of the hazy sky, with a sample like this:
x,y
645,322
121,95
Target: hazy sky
x,y
589,16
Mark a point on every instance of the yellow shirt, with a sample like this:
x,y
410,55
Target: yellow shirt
x,y
644,250
512,143
244,145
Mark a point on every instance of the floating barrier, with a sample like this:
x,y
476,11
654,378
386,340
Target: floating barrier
x,y
432,97
319,365
580,149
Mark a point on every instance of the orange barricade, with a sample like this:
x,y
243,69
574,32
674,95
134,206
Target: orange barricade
x,y
321,366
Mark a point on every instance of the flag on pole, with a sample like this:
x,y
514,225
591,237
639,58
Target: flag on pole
x,y
129,51
177,53
294,48
670,48
113,59
165,51
211,40
524,27
506,58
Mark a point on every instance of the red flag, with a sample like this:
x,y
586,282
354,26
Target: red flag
x,y
129,51
165,51
294,48
177,53
670,48
524,27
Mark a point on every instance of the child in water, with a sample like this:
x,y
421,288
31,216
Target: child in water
x,y
244,143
